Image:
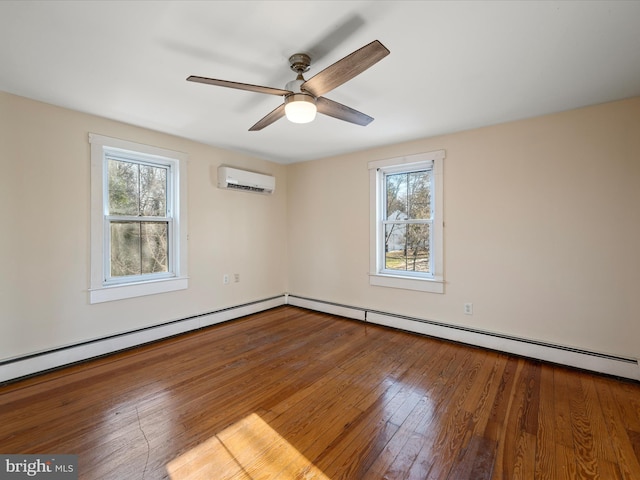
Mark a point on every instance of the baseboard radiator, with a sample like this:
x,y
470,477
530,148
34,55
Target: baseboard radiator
x,y
20,367
572,357
24,366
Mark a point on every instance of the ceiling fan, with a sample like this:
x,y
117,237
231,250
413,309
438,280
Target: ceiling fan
x,y
302,98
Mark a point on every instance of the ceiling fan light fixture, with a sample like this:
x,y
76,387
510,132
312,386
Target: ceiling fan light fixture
x,y
300,108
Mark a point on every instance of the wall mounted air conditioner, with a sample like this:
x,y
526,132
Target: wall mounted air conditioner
x,y
234,179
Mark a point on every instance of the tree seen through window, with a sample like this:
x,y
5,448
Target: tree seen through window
x,y
137,213
407,223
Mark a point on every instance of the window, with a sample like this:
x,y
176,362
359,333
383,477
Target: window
x,y
138,220
406,222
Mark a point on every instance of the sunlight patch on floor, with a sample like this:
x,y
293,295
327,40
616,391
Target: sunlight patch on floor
x,y
247,450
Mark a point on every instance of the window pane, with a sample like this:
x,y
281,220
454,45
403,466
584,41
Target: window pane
x,y
136,189
123,188
408,195
396,187
419,197
139,248
153,191
407,247
125,249
154,247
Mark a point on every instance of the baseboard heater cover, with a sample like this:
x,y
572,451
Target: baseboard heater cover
x,y
327,307
16,368
572,357
24,366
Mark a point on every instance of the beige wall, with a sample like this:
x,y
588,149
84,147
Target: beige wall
x,y
542,229
44,240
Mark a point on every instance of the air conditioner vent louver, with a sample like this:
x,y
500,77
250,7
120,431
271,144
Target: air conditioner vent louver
x,y
245,187
234,179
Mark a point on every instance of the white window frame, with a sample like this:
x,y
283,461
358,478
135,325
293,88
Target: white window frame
x,y
432,282
105,288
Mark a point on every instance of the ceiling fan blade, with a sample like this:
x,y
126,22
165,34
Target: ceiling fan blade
x,y
239,86
271,117
345,69
342,112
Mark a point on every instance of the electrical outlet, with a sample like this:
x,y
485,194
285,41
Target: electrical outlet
x,y
468,308
236,277
225,279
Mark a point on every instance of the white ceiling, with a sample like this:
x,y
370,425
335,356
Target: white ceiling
x,y
453,65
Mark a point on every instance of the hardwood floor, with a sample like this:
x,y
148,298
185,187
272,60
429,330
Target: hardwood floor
x,y
294,394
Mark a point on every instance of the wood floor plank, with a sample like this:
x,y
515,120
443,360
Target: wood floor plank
x,y
545,464
503,426
566,468
502,399
634,438
476,461
562,409
583,438
628,402
602,449
626,457
290,393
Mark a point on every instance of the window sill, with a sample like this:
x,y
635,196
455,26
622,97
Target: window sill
x,y
393,281
131,290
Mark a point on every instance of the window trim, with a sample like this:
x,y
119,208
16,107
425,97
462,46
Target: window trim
x,y
102,289
410,281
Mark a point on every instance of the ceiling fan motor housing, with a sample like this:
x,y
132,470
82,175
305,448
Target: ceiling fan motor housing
x,y
294,85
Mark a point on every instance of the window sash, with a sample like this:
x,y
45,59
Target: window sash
x,y
109,279
382,220
169,165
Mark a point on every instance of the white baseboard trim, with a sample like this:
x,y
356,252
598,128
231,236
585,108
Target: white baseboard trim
x,y
572,357
19,367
